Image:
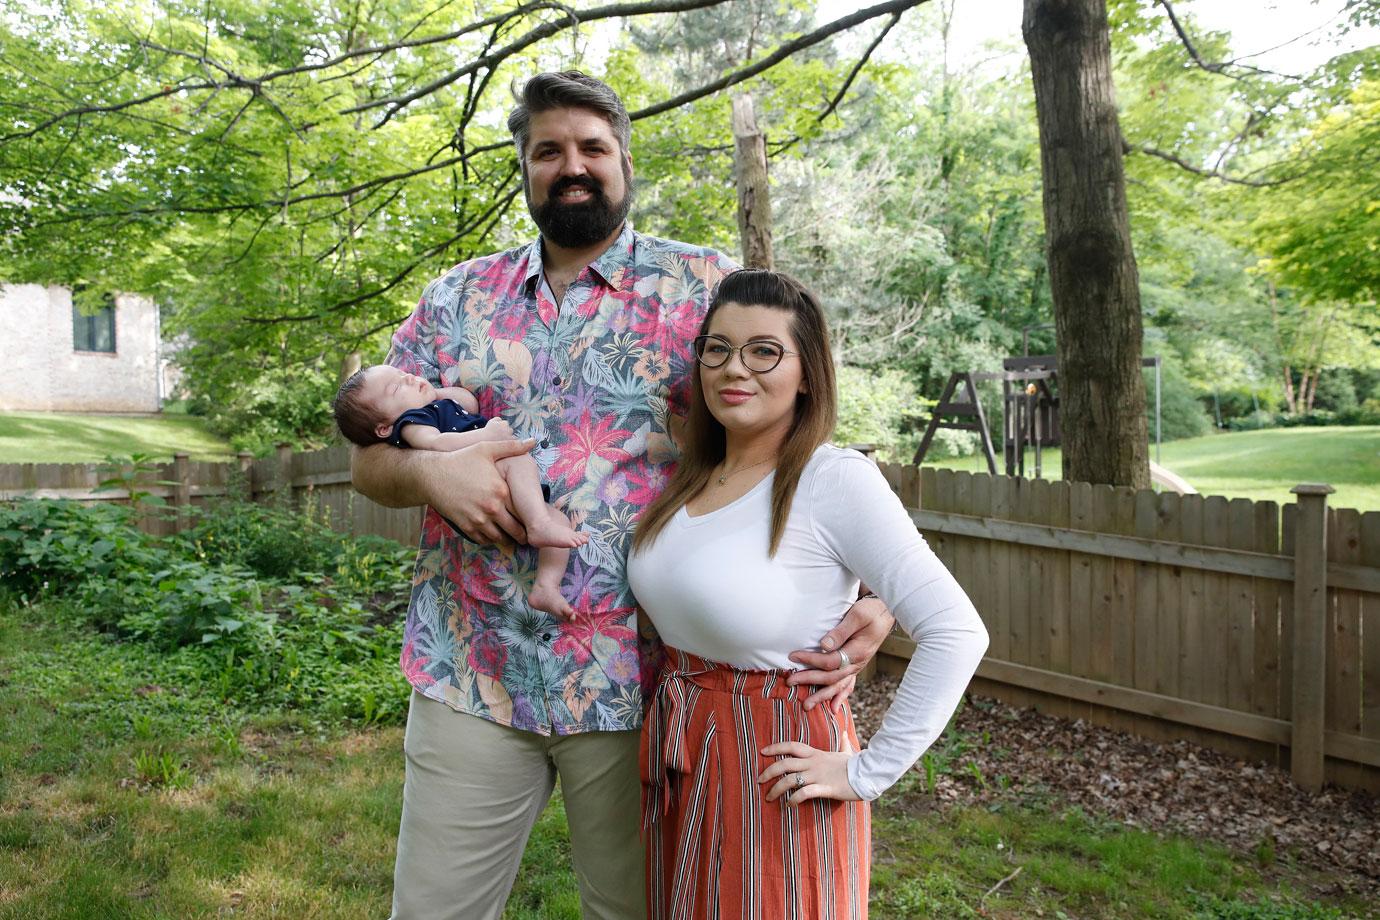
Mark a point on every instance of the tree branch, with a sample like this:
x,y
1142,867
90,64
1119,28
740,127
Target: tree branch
x,y
780,54
494,212
396,104
857,68
1127,147
100,109
1212,67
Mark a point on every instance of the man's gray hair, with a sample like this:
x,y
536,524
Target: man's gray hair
x,y
569,89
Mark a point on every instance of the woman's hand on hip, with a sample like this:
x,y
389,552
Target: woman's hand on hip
x,y
805,773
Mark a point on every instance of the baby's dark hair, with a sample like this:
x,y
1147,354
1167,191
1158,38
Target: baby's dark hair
x,y
355,418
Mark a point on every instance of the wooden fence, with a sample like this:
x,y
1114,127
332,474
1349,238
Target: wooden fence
x,y
1246,626
1242,625
320,479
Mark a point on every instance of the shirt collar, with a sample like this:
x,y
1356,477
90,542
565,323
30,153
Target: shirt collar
x,y
613,266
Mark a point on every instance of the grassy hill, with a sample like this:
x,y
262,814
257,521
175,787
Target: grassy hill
x,y
46,437
1263,465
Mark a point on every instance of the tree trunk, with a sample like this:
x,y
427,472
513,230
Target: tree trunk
x,y
754,200
1092,268
1312,391
1289,390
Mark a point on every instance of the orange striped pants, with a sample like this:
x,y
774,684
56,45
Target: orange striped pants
x,y
716,848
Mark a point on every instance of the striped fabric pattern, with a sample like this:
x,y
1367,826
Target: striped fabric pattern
x,y
716,848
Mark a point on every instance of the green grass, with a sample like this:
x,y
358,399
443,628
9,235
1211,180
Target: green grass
x,y
128,790
1261,465
41,437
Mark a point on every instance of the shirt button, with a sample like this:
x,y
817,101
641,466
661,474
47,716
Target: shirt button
x,y
556,380
545,442
546,637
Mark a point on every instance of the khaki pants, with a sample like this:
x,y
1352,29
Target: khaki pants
x,y
472,793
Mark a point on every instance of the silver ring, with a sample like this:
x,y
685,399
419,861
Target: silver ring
x,y
799,781
844,660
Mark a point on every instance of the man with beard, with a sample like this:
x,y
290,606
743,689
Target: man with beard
x,y
581,340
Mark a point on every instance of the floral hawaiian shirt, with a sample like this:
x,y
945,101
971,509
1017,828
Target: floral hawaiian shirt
x,y
595,379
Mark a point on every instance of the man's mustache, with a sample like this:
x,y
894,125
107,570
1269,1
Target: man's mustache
x,y
588,183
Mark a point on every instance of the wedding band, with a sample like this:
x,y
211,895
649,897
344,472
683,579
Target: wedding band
x,y
799,781
844,660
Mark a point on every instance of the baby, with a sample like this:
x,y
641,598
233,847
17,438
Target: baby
x,y
381,404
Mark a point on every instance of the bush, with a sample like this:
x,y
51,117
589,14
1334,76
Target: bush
x,y
322,637
289,405
879,407
1336,392
1181,414
1367,413
1253,422
264,538
1243,402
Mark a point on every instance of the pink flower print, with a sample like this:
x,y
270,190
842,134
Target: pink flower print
x,y
488,654
512,322
666,327
583,440
577,636
646,481
414,666
478,579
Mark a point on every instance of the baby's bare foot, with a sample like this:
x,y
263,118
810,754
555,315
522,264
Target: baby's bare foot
x,y
548,533
549,599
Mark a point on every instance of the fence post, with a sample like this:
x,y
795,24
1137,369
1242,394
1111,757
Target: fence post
x,y
1310,635
246,464
284,483
182,492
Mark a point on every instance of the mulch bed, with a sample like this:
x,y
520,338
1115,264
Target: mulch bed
x,y
1180,787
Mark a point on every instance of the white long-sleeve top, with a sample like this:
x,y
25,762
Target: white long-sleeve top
x,y
710,589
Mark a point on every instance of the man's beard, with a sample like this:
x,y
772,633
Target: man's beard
x,y
576,226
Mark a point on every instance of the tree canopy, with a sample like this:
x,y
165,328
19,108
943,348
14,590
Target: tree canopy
x,y
285,176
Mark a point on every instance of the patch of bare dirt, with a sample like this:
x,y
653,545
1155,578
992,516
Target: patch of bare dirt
x,y
1250,807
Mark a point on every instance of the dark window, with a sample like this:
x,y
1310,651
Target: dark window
x,y
94,331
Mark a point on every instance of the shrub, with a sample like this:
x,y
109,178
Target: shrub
x,y
1367,413
881,408
322,637
1336,392
269,540
1253,422
62,542
1181,414
1244,402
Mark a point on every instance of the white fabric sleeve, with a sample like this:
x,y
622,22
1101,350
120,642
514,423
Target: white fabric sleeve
x,y
860,520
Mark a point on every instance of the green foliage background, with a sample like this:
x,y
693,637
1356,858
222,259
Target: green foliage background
x,y
288,215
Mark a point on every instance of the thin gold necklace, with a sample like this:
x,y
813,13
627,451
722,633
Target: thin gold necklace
x,y
741,468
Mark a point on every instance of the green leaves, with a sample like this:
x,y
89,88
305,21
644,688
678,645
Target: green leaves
x,y
278,640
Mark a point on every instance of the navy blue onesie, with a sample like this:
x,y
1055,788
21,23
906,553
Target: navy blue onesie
x,y
441,414
444,415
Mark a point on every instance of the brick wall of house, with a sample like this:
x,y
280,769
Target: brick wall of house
x,y
40,370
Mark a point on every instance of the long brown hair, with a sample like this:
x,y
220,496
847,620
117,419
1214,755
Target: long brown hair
x,y
816,409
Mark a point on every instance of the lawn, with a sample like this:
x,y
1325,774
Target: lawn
x,y
1262,465
43,437
129,789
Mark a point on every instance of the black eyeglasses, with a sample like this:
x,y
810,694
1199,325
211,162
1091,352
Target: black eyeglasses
x,y
758,357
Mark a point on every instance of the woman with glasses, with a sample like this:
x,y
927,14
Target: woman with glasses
x,y
755,806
